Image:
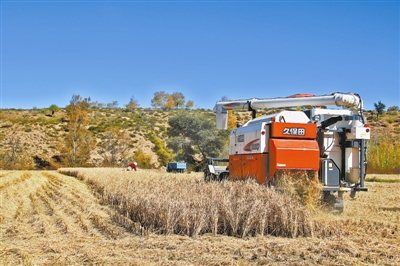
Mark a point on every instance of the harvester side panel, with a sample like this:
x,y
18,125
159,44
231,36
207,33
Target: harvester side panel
x,y
242,166
293,154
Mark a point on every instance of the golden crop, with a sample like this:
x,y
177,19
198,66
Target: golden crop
x,y
111,217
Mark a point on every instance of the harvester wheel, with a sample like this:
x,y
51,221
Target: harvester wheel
x,y
333,203
223,176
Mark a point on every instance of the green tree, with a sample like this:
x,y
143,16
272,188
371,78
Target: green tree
x,y
178,99
393,109
53,108
379,108
193,134
224,99
78,141
113,104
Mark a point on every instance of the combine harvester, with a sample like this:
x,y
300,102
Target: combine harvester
x,y
327,142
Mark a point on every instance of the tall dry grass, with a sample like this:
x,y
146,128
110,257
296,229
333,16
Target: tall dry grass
x,y
183,204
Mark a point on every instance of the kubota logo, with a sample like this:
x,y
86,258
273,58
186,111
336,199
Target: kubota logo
x,y
252,145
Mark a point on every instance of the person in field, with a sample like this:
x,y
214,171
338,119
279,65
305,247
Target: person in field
x,y
132,166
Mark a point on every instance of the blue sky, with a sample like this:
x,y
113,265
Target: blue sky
x,y
113,50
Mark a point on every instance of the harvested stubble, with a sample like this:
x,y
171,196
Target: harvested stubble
x,y
53,219
180,204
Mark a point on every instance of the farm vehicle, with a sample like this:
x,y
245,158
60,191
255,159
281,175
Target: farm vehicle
x,y
176,167
217,169
328,142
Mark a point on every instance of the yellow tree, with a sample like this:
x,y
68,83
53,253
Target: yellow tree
x,y
132,105
170,102
232,121
79,140
189,105
160,99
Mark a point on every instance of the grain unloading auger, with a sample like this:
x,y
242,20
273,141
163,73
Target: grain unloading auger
x,y
330,142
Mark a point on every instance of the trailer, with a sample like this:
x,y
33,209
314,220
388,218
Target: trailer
x,y
176,167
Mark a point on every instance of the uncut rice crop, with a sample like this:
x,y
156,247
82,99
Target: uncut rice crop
x,y
183,204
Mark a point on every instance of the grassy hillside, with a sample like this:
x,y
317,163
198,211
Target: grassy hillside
x,y
40,134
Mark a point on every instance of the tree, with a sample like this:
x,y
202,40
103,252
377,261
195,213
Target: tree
x,y
132,105
53,108
224,99
232,120
189,105
393,109
143,159
113,148
160,99
78,141
168,101
379,108
113,104
12,155
178,99
164,154
193,133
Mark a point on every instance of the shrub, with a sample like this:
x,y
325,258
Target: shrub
x,y
143,160
41,163
6,124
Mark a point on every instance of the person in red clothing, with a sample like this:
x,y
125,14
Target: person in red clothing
x,y
132,166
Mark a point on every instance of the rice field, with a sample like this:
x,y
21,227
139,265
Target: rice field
x,y
87,216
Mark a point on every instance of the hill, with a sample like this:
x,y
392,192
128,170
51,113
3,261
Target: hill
x,y
37,134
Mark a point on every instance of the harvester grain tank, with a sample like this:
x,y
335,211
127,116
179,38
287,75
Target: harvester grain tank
x,y
331,142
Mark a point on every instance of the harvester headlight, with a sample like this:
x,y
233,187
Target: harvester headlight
x,y
316,118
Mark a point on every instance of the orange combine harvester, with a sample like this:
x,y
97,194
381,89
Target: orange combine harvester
x,y
330,142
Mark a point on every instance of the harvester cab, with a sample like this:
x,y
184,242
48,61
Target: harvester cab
x,y
328,142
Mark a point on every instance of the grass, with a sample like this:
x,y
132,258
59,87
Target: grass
x,y
376,179
383,178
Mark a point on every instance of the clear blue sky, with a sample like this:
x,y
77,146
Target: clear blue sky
x,y
113,50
